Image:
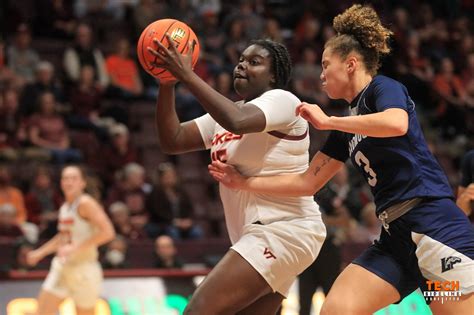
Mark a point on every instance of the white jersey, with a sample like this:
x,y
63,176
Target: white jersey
x,y
74,229
282,148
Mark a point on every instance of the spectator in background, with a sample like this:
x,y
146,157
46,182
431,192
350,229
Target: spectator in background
x,y
84,53
148,11
306,82
338,193
85,99
272,30
120,217
115,255
9,226
10,195
130,180
166,253
12,133
44,82
47,130
369,229
465,196
118,153
55,19
170,208
224,85
7,76
22,59
236,42
43,201
125,81
452,99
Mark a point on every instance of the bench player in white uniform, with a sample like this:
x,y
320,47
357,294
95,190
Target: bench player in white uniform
x,y
274,239
75,271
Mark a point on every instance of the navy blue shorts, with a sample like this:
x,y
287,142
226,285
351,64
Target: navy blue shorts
x,y
433,241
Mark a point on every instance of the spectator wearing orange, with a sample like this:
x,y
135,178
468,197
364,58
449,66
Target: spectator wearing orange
x,y
11,195
452,98
123,72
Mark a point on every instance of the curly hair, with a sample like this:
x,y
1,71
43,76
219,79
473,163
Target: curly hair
x,y
359,29
281,61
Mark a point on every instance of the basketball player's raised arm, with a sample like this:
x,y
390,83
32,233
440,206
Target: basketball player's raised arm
x,y
321,169
175,137
236,119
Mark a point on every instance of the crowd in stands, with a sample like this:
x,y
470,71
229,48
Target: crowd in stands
x,y
70,87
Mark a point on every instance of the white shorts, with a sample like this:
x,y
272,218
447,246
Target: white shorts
x,y
281,250
82,282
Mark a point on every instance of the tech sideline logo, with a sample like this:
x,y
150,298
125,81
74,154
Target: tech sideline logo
x,y
442,291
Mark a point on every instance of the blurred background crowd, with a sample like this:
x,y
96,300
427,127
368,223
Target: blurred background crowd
x,y
71,90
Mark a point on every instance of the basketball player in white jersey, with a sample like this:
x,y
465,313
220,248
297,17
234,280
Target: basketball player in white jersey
x,y
75,271
274,239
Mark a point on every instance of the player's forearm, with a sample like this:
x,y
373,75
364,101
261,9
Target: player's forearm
x,y
379,125
292,185
50,246
166,119
222,109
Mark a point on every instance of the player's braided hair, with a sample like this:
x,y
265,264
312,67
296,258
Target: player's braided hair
x,y
359,29
281,61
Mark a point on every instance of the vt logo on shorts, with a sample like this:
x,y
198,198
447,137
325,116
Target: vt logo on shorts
x,y
447,263
268,253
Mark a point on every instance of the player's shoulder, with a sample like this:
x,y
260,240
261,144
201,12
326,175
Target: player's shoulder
x,y
381,80
87,199
280,93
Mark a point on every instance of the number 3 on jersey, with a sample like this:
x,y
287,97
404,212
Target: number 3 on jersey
x,y
362,160
219,155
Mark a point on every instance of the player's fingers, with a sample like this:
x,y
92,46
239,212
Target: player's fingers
x,y
213,168
224,167
216,176
162,50
191,45
298,109
172,44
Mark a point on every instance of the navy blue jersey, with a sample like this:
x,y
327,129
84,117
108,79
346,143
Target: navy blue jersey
x,y
396,168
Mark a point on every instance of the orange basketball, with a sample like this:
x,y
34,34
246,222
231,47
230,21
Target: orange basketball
x,y
179,32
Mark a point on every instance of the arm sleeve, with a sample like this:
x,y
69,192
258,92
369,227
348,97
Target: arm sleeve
x,y
467,169
390,94
206,125
336,146
279,108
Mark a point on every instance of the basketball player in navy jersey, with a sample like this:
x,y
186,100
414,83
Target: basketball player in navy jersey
x,y
425,236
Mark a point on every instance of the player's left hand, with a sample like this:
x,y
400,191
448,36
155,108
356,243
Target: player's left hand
x,y
314,115
178,64
226,174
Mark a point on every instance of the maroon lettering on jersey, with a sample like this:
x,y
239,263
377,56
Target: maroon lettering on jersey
x,y
224,137
268,253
